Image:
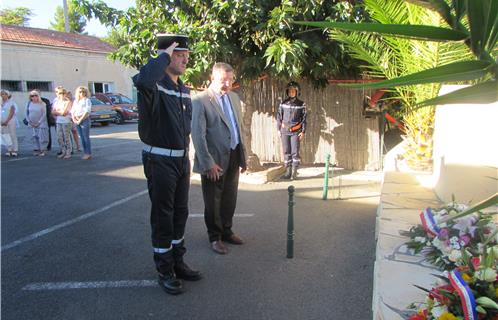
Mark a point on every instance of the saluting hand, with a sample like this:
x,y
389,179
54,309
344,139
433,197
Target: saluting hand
x,y
214,173
168,50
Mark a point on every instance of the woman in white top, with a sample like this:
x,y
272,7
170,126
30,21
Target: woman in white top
x,y
9,122
62,111
82,107
36,114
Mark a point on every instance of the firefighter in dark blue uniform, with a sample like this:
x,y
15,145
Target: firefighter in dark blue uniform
x,y
291,122
165,112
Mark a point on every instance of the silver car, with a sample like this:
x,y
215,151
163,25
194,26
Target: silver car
x,y
102,112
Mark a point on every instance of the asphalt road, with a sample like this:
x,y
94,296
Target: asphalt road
x,y
75,245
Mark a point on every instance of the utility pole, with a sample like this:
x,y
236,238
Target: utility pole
x,y
66,16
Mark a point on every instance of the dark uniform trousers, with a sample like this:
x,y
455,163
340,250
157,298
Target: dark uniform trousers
x,y
168,181
220,199
290,144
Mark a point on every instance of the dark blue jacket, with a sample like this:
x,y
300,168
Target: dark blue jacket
x,y
165,108
291,112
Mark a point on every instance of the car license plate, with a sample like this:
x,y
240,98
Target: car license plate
x,y
104,116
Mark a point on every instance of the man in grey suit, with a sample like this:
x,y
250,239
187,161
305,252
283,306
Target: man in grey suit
x,y
219,153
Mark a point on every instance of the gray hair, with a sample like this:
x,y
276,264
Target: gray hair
x,y
222,66
7,92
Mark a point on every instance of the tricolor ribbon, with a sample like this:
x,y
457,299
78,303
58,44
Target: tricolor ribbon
x,y
429,223
466,295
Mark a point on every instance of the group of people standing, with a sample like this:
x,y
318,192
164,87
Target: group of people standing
x,y
70,113
70,117
168,115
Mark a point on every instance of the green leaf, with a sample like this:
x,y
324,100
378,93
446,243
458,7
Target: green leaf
x,y
440,6
492,27
420,32
481,310
482,93
421,288
458,71
487,302
460,8
477,25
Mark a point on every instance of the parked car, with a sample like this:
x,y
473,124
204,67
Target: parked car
x,y
124,106
102,112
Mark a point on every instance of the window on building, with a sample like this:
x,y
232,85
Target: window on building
x,y
39,85
100,87
12,85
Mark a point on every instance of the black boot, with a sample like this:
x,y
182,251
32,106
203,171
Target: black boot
x,y
183,271
288,173
294,173
167,279
170,283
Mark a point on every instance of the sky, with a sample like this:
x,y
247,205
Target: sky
x,y
44,11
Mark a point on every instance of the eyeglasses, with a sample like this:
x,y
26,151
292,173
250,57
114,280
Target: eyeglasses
x,y
35,95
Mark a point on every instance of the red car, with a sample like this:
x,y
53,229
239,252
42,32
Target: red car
x,y
124,106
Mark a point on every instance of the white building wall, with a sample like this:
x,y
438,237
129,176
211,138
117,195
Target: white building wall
x,y
465,152
67,67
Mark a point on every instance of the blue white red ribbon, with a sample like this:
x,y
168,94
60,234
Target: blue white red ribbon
x,y
466,295
429,223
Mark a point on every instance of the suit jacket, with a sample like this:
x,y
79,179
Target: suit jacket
x,y
211,131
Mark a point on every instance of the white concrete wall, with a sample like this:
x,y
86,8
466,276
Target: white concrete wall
x,y
67,67
465,151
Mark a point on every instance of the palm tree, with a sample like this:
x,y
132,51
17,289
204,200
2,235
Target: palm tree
x,y
418,47
388,57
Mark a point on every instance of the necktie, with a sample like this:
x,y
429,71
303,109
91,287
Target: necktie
x,y
226,108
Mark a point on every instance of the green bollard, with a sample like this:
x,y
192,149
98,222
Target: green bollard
x,y
290,224
326,178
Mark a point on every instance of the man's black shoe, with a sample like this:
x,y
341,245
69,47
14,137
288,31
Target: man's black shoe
x,y
183,271
170,283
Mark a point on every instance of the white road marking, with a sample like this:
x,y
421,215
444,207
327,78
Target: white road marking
x,y
89,215
71,222
201,215
89,285
16,159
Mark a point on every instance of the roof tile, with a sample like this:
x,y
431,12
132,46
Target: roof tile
x,y
53,38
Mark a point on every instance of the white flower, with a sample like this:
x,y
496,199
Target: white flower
x,y
487,274
455,255
419,239
480,248
438,311
461,207
437,243
466,225
455,243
